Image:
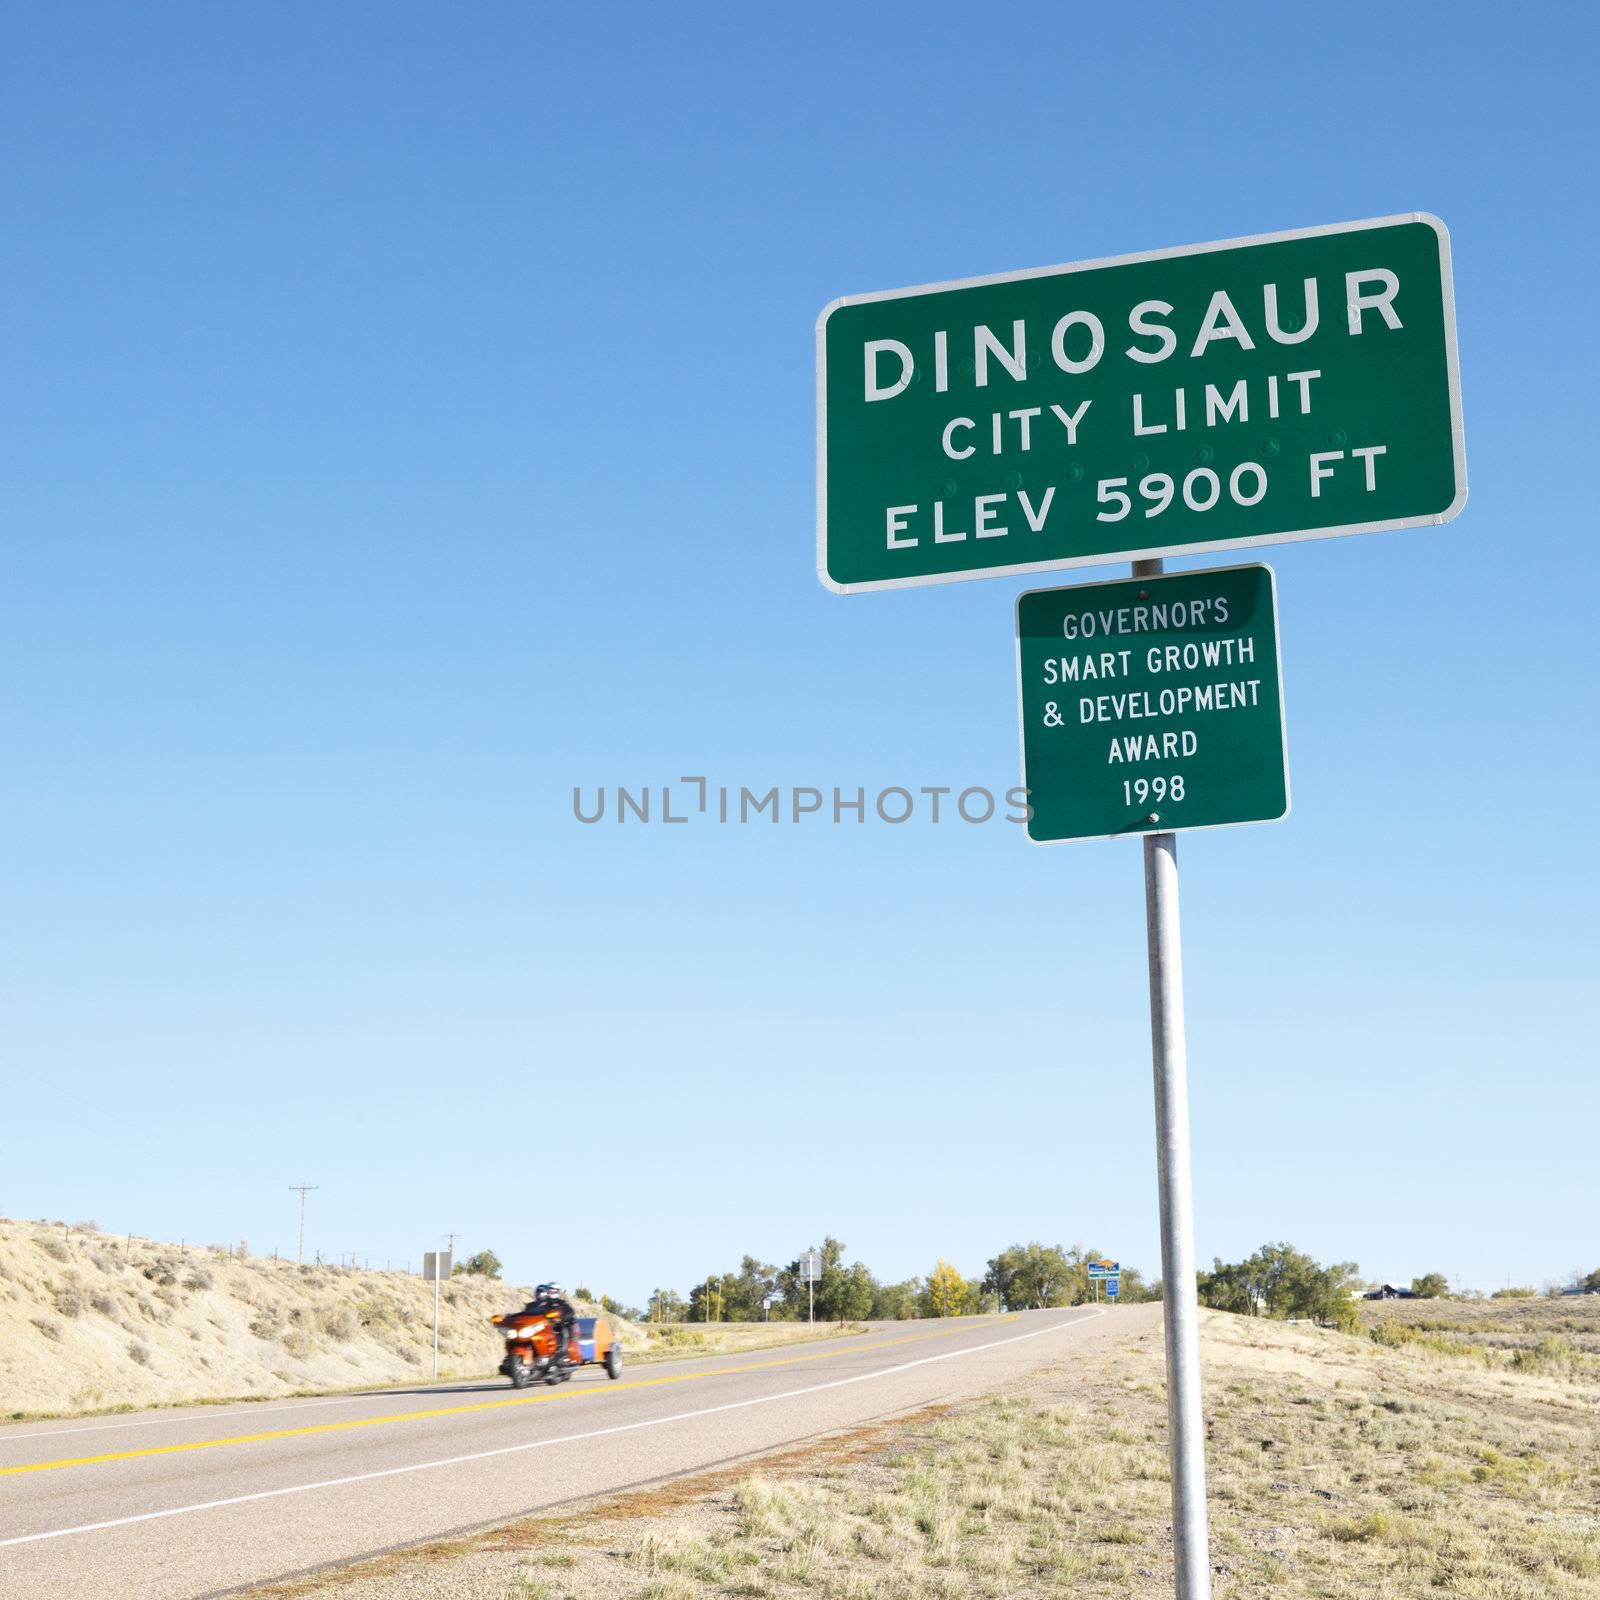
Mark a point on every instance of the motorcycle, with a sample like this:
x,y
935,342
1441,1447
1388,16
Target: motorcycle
x,y
531,1347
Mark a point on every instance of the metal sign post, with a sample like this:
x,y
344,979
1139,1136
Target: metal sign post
x,y
436,1264
1181,1307
811,1275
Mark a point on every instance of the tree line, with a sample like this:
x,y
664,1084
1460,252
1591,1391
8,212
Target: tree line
x,y
1276,1281
1280,1281
1019,1278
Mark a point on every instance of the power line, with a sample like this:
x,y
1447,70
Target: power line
x,y
302,1189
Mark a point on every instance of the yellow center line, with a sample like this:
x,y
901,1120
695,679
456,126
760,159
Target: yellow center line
x,y
488,1405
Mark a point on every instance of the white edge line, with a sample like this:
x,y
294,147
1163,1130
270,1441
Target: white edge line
x,y
537,1444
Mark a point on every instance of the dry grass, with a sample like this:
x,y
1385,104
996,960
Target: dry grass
x,y
1339,1466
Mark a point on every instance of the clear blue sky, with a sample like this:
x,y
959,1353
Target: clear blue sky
x,y
407,415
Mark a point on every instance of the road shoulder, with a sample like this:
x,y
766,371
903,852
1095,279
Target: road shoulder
x,y
634,1542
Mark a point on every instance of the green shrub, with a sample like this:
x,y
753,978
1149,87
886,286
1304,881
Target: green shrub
x,y
675,1338
1448,1344
1506,1471
267,1323
1551,1354
1117,1533
1341,1312
376,1313
1392,1333
1353,1530
338,1322
1396,1335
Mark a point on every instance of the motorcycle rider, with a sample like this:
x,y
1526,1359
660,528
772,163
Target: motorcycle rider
x,y
549,1301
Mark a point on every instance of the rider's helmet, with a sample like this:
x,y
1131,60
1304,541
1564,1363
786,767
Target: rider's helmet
x,y
555,1291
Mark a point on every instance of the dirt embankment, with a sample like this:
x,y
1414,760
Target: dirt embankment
x,y
92,1320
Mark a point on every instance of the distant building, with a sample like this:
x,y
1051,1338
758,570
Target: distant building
x,y
1388,1291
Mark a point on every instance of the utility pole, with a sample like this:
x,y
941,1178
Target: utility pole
x,y
302,1189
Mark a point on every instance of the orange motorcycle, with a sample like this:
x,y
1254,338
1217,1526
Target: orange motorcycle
x,y
531,1340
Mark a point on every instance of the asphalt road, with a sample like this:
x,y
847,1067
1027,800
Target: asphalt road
x,y
172,1505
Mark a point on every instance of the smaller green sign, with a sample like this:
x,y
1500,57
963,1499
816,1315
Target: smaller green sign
x,y
1152,705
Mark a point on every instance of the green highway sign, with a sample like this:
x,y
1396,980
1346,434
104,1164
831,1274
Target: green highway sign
x,y
1287,386
1152,705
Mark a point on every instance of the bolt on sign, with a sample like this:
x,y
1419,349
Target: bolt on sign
x,y
1287,386
1152,705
